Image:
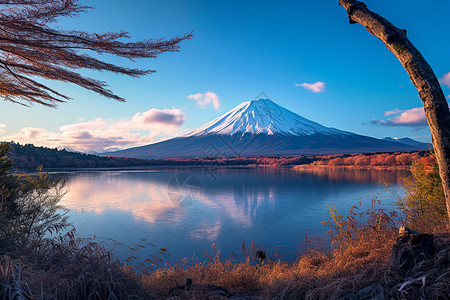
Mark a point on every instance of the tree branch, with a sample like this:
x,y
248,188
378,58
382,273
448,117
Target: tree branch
x,y
29,46
421,75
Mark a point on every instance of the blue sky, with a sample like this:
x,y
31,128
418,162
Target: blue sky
x,y
242,48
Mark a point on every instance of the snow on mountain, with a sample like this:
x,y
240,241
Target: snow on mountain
x,y
263,116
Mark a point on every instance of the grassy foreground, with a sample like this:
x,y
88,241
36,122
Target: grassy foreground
x,y
70,268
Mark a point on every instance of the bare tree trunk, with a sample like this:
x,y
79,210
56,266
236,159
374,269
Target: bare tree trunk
x,y
422,76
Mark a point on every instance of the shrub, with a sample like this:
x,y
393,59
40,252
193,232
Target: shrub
x,y
424,203
30,209
67,267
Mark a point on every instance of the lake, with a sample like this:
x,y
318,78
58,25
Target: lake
x,y
187,210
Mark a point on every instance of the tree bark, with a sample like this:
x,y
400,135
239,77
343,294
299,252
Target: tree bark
x,y
422,76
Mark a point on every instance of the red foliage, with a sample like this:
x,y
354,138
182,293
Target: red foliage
x,y
376,159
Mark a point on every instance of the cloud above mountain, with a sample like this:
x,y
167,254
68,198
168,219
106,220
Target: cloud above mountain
x,y
414,117
103,134
445,79
206,99
168,117
316,87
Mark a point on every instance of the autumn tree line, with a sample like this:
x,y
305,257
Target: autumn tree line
x,y
30,157
395,159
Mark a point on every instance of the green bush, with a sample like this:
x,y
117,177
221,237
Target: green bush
x,y
424,204
29,209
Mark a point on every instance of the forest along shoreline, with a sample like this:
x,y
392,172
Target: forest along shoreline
x,y
30,157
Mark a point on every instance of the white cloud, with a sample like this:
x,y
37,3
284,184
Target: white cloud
x,y
395,111
2,126
103,134
316,87
414,117
203,100
168,117
445,80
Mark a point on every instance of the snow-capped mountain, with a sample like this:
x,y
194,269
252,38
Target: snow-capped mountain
x,y
261,128
263,116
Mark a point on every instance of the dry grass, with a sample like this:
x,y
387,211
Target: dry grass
x,y
67,268
316,275
70,268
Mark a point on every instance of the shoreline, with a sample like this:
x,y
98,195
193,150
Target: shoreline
x,y
200,166
350,167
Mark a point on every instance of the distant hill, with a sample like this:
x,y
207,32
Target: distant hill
x,y
30,157
410,142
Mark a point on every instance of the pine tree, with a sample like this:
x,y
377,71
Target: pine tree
x,y
30,47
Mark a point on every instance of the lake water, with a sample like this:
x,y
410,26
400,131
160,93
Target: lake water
x,y
186,210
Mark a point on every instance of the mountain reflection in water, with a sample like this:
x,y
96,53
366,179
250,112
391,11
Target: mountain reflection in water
x,y
274,207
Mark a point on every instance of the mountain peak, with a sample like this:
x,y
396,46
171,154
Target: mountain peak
x,y
263,116
262,100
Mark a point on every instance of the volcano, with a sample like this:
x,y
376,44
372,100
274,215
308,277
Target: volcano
x,y
262,128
